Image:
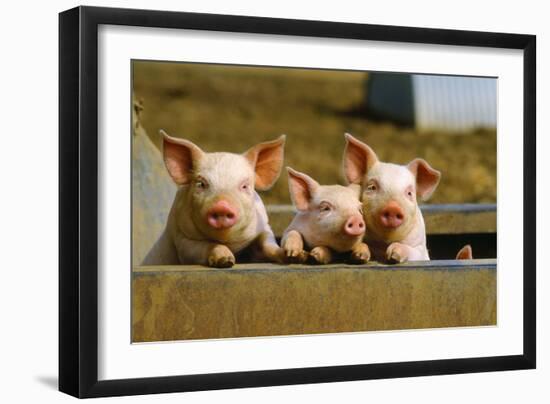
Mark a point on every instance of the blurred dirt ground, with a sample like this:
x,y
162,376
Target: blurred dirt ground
x,y
230,108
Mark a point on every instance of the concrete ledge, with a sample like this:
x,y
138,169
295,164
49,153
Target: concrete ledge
x,y
194,302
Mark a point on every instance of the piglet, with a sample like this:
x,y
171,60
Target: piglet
x,y
216,212
395,229
329,221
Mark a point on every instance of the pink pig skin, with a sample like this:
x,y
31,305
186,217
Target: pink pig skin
x,y
328,222
395,229
217,212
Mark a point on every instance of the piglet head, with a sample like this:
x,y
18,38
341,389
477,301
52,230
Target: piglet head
x,y
332,213
221,187
389,191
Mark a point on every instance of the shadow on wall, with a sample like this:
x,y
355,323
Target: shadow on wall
x,y
51,382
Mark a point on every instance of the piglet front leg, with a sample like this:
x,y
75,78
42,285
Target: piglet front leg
x,y
267,249
204,253
399,252
360,254
293,247
321,255
220,256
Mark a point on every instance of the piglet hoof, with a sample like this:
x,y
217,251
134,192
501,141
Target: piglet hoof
x,y
290,252
360,254
221,257
302,257
279,257
320,255
293,250
276,254
299,257
397,252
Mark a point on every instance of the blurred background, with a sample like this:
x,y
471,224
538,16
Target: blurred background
x,y
450,121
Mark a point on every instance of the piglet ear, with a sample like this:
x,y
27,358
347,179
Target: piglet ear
x,y
355,188
358,159
267,159
301,187
465,253
180,157
427,178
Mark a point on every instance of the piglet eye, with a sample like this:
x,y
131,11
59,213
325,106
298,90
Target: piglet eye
x,y
201,184
371,187
325,207
245,186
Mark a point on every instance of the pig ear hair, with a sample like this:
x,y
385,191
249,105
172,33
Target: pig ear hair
x,y
427,178
358,159
180,157
301,187
267,159
465,253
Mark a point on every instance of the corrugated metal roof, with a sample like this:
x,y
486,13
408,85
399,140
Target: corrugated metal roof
x,y
454,103
433,102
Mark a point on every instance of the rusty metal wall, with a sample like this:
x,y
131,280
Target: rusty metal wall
x,y
191,302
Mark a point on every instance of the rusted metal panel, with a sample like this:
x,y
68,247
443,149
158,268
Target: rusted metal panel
x,y
194,302
440,219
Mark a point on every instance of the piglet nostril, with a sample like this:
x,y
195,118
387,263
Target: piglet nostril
x,y
354,226
392,215
221,215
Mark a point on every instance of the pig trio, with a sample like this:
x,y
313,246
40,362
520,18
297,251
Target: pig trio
x,y
217,215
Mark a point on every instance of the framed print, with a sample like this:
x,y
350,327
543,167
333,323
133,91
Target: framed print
x,y
251,201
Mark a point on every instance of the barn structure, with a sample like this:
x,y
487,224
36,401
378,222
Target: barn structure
x,y
433,102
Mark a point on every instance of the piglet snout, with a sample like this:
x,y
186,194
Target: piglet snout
x,y
392,216
354,226
221,215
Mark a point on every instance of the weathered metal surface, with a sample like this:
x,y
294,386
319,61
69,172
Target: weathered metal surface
x,y
440,219
152,191
460,218
193,302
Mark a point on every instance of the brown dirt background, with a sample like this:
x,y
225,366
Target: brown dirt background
x,y
230,108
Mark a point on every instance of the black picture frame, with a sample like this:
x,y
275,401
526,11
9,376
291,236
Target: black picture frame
x,y
78,201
